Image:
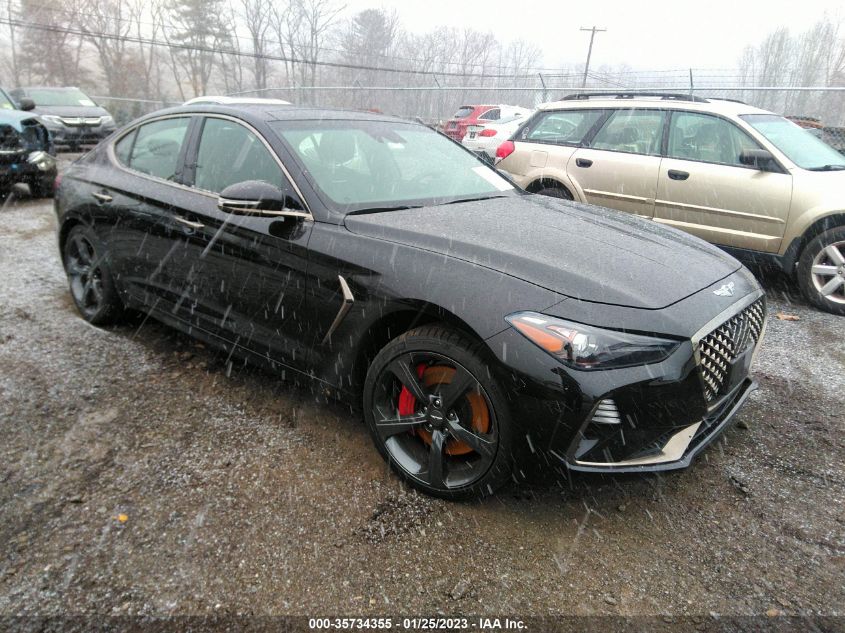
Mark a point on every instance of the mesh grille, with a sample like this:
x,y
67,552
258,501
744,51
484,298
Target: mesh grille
x,y
723,345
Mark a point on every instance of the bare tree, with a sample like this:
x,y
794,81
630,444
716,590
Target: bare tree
x,y
257,16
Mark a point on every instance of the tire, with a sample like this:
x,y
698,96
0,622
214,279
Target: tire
x,y
89,277
42,187
821,271
555,192
444,426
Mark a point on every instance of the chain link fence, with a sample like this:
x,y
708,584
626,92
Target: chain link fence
x,y
824,106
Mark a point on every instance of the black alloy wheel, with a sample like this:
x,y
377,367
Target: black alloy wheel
x,y
89,277
432,412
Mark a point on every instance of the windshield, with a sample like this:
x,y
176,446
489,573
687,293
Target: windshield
x,y
5,102
800,146
360,165
52,97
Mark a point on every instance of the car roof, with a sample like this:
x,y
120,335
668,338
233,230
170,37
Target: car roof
x,y
717,106
273,112
57,88
223,100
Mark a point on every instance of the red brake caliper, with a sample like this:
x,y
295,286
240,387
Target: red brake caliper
x,y
407,402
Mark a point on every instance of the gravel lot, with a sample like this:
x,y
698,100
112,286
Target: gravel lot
x,y
142,475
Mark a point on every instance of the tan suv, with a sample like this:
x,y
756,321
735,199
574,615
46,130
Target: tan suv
x,y
740,177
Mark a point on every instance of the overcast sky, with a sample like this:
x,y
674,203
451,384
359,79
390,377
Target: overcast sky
x,y
644,34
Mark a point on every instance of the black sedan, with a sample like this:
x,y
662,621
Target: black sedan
x,y
374,258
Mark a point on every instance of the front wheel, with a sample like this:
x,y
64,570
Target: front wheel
x,y
821,271
555,192
436,414
42,186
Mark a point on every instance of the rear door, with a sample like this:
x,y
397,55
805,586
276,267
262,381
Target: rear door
x,y
145,197
705,190
619,169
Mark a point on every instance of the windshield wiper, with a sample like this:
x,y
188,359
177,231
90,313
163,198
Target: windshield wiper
x,y
398,207
475,199
835,167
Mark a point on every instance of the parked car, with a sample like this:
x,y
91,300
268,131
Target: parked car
x,y
743,178
25,149
368,255
72,117
484,138
456,127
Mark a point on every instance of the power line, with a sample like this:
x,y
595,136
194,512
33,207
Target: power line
x,y
70,14
237,53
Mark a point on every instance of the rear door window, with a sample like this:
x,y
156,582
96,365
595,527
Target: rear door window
x,y
566,127
631,131
158,146
491,115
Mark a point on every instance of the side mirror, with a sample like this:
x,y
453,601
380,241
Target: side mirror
x,y
759,158
256,197
26,104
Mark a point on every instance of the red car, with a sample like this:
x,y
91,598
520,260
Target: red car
x,y
468,115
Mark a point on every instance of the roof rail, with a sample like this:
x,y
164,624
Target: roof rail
x,y
726,99
669,96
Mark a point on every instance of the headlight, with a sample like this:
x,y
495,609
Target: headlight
x,y
586,347
106,120
50,118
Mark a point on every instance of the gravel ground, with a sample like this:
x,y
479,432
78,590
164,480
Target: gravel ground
x,y
141,475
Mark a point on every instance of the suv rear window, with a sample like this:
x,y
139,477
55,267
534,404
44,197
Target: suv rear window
x,y
568,127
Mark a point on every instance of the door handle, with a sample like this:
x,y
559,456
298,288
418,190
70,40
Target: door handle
x,y
583,162
102,198
675,174
189,223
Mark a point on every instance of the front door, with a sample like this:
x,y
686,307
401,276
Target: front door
x,y
244,275
619,168
705,190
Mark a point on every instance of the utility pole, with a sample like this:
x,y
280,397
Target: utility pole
x,y
593,30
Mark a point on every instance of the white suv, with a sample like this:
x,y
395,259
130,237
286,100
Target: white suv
x,y
740,177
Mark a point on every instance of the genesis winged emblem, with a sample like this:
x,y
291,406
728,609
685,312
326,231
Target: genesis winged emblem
x,y
727,290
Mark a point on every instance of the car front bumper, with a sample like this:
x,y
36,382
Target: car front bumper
x,y
26,166
79,135
644,418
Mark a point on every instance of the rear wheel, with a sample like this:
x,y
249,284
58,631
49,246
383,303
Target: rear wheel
x,y
89,276
821,271
437,416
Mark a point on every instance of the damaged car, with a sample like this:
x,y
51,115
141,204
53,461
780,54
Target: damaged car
x,y
26,149
477,326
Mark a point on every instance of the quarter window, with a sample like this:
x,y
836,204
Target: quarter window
x,y
157,147
633,131
229,153
491,115
568,127
705,138
124,146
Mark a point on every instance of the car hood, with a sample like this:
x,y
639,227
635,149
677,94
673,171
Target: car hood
x,y
580,251
15,118
72,111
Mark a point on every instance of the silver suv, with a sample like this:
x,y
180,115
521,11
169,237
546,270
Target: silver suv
x,y
748,180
